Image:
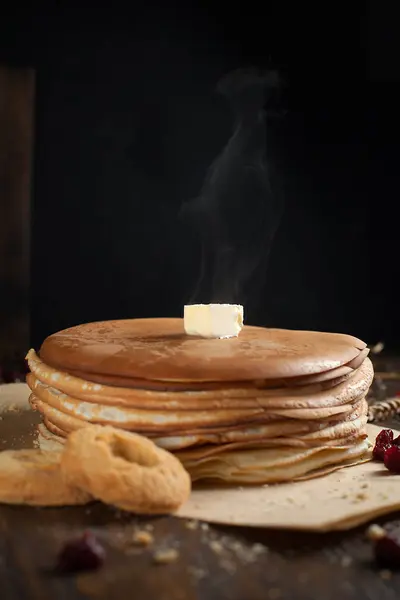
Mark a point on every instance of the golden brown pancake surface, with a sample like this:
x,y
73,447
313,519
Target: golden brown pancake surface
x,y
331,393
159,349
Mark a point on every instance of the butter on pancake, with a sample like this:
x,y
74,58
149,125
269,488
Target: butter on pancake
x,y
219,321
265,395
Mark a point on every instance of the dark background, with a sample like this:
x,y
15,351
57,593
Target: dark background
x,y
128,121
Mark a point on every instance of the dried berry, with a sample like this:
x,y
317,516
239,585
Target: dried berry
x,y
384,440
387,551
82,554
392,459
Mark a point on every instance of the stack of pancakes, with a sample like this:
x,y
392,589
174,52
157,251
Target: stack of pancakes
x,y
270,405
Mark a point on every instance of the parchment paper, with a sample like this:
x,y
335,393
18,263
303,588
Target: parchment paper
x,y
340,500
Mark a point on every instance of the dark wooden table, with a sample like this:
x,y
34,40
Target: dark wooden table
x,y
212,563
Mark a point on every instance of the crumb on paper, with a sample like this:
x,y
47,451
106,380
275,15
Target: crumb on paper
x,y
375,532
360,497
143,538
192,524
165,557
205,526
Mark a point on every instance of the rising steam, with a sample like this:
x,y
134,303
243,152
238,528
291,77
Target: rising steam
x,y
237,212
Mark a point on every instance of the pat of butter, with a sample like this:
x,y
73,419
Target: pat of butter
x,y
213,320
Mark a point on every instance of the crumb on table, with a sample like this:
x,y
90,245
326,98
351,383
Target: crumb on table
x,y
143,538
165,557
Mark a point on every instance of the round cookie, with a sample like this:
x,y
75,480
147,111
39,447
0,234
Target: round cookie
x,y
125,470
34,477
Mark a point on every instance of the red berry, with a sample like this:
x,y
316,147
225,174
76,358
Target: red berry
x,y
392,459
384,440
82,554
387,551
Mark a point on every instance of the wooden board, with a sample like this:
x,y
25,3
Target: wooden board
x,y
16,140
213,562
295,566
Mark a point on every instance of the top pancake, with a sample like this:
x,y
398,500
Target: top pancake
x,y
159,349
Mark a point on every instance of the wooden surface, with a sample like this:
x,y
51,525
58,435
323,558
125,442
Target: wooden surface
x,y
213,562
16,140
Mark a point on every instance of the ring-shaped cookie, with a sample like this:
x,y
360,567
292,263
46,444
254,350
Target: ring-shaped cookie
x,y
34,477
125,469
